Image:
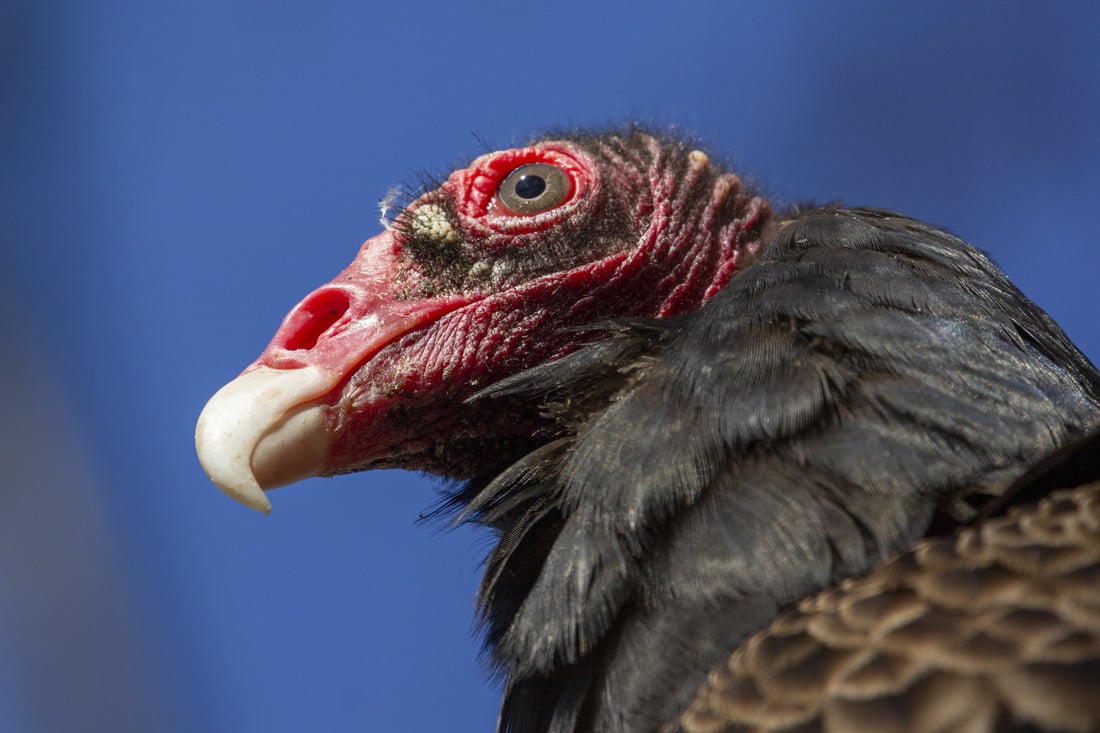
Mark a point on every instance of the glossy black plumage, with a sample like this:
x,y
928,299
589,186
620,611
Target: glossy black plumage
x,y
867,380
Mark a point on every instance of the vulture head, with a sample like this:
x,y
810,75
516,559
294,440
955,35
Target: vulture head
x,y
682,415
504,266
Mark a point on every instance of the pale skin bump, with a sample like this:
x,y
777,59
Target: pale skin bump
x,y
430,221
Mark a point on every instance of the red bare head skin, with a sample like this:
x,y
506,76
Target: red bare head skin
x,y
493,272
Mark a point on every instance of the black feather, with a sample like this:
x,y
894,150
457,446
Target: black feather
x,y
866,376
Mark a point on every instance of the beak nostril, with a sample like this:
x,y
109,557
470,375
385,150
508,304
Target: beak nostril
x,y
313,317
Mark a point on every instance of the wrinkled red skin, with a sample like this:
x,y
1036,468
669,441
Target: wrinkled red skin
x,y
400,401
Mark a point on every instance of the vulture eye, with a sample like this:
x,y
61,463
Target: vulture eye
x,y
533,188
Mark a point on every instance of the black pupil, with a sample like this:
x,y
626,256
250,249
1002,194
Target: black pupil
x,y
530,186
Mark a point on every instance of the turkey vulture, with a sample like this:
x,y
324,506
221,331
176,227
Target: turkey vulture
x,y
813,469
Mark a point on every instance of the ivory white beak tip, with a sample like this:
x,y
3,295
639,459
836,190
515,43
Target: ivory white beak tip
x,y
261,431
253,500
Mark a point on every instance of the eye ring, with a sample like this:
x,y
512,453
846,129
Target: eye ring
x,y
534,188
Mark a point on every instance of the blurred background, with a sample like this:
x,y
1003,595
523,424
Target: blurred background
x,y
174,176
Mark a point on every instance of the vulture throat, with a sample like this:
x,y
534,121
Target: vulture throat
x,y
679,412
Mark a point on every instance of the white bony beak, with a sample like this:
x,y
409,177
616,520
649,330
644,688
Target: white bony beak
x,y
264,430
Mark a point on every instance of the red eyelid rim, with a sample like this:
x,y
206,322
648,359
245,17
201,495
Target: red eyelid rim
x,y
475,188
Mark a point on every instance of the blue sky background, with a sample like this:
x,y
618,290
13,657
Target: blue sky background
x,y
173,177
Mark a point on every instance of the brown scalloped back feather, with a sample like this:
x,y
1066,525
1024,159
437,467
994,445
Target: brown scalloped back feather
x,y
995,629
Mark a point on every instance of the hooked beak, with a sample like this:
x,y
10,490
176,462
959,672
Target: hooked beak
x,y
261,431
272,425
